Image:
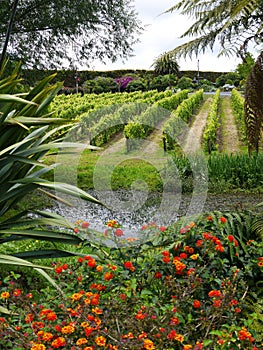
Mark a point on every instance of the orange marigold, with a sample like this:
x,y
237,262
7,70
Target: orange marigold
x,y
38,347
67,329
100,341
81,341
58,342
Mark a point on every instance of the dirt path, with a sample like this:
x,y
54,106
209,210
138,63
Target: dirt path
x,y
194,135
230,139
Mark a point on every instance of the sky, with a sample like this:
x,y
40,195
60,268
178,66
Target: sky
x,y
162,34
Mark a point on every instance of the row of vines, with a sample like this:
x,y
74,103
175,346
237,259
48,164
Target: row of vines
x,y
137,114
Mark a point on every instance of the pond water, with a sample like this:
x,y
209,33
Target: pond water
x,y
132,211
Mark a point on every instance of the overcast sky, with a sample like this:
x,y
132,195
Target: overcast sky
x,y
162,34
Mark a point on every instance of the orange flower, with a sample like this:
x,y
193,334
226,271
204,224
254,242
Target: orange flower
x,y
100,341
118,232
196,304
129,266
148,344
58,342
67,329
5,295
222,220
187,347
81,341
38,347
108,276
215,293
47,336
194,256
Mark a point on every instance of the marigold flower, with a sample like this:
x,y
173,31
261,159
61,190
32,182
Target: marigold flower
x,y
76,230
209,218
108,276
223,220
81,341
5,295
29,318
97,310
85,224
187,347
76,296
215,293
38,347
67,329
194,256
100,341
220,248
231,238
58,342
158,275
17,292
51,316
128,336
118,232
29,295
99,268
183,255
148,344
196,304
217,303
129,265
47,336
162,228
244,334
91,262
59,269
260,262
174,321
199,243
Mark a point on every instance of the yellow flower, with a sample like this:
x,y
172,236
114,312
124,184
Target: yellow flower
x,y
100,341
38,347
67,330
194,256
5,295
81,341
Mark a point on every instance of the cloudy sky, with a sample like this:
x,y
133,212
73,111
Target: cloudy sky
x,y
162,34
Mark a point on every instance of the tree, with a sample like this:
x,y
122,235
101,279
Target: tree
x,y
166,64
243,69
49,33
234,24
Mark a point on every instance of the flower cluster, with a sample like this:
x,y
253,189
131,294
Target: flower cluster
x,y
188,293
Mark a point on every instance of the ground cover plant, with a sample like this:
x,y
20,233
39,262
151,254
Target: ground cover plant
x,y
186,287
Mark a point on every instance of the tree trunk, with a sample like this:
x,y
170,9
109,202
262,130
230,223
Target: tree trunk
x,y
254,105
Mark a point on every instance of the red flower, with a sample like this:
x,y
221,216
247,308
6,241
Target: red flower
x,y
215,293
220,248
91,262
108,276
217,303
223,220
59,269
183,255
162,228
158,274
196,304
16,292
231,238
118,232
85,224
76,230
129,266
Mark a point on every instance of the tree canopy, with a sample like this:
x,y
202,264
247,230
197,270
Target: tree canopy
x,y
234,24
54,33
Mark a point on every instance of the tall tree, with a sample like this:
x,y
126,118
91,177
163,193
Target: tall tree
x,y
46,33
233,24
166,64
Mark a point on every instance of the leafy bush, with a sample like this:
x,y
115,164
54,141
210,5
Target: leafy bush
x,y
180,288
